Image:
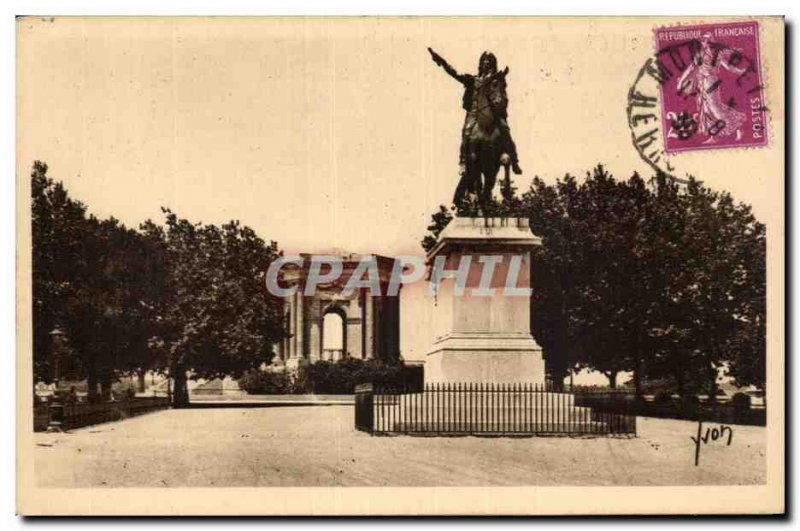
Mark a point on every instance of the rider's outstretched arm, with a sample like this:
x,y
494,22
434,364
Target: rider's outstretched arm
x,y
439,60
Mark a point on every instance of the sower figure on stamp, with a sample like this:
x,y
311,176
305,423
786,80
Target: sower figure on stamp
x,y
702,79
486,141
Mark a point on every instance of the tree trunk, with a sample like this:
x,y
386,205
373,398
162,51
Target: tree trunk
x,y
712,387
180,392
105,389
637,382
141,383
91,378
680,377
637,363
558,380
612,379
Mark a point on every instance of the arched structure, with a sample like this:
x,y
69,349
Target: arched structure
x,y
370,322
334,333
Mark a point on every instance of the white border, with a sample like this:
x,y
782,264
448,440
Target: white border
x,y
318,7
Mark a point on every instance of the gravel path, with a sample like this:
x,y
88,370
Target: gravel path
x,y
318,446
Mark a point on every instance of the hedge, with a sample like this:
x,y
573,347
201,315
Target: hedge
x,y
325,377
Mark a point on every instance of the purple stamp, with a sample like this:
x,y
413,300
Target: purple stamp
x,y
711,86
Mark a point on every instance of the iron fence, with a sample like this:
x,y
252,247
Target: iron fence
x,y
625,403
70,416
365,411
483,409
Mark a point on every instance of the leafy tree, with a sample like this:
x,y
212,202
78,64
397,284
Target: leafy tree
x,y
215,317
610,312
90,281
747,360
109,316
555,215
726,290
439,221
663,280
57,227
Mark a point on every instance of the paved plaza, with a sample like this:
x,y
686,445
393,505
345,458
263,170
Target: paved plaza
x,y
318,446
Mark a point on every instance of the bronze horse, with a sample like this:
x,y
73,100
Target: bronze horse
x,y
486,142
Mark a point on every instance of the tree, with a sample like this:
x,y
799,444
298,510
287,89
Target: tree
x,y
181,298
109,316
555,215
747,360
588,308
663,280
91,281
729,284
215,316
44,277
58,226
613,309
439,221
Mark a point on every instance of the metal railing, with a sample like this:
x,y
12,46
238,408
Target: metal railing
x,y
365,411
483,409
70,416
626,403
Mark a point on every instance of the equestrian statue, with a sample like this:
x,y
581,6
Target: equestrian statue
x,y
486,142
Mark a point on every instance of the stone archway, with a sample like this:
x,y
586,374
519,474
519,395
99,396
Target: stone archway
x,y
334,334
369,322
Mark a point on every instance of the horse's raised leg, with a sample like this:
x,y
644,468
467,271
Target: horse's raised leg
x,y
489,168
506,186
470,179
461,190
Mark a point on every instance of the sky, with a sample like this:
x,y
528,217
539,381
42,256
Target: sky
x,y
324,133
339,133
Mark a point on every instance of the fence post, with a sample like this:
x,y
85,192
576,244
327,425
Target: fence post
x,y
502,408
56,410
365,417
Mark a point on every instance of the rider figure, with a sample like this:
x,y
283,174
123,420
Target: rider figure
x,y
488,86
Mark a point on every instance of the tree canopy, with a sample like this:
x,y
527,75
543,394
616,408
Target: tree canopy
x,y
214,317
664,280
180,298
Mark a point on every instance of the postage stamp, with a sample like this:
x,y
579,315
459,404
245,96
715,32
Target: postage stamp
x,y
711,84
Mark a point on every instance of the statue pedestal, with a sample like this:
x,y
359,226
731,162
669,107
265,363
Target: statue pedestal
x,y
483,336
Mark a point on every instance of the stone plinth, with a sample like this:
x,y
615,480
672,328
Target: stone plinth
x,y
483,335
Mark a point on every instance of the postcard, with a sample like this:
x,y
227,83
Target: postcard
x,y
400,266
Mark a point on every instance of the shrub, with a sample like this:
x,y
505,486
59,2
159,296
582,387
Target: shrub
x,y
689,406
258,382
341,377
657,386
663,397
301,381
122,394
66,396
741,401
690,400
325,377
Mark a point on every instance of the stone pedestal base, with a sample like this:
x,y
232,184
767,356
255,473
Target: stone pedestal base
x,y
482,304
485,358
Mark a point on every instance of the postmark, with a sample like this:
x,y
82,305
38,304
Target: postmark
x,y
702,89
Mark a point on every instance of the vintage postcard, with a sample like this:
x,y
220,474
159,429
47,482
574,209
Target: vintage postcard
x,y
400,266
